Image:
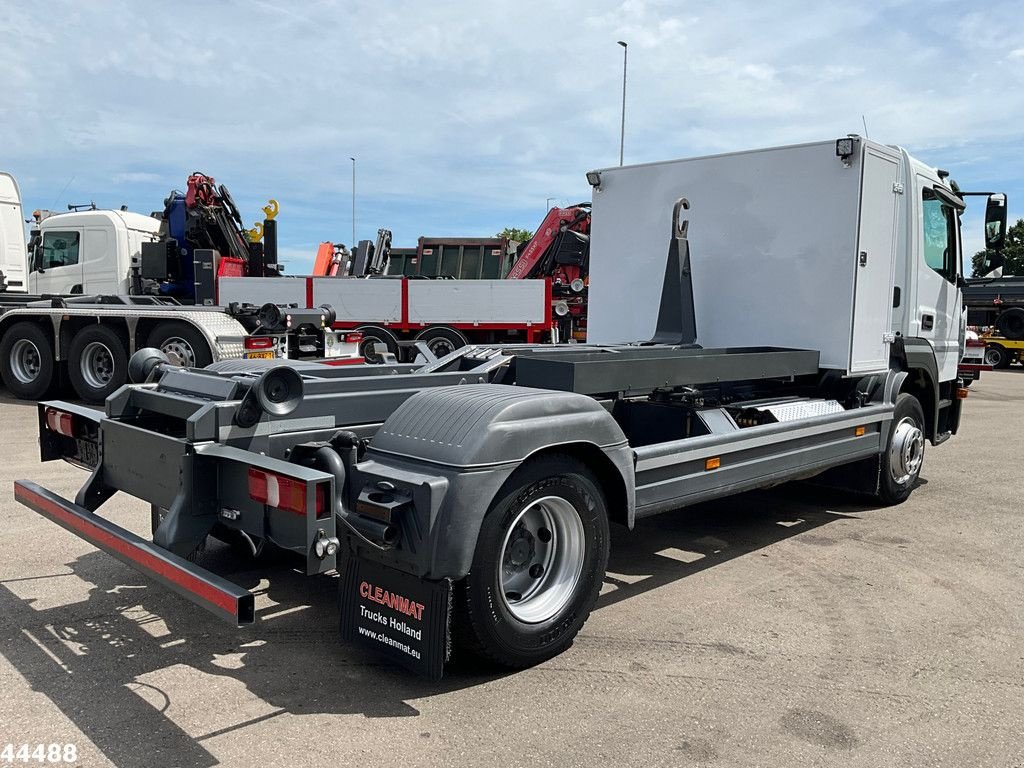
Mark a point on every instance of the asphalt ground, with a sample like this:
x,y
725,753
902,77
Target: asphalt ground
x,y
789,627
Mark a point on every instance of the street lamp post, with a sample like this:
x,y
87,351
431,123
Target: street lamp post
x,y
547,204
353,202
622,134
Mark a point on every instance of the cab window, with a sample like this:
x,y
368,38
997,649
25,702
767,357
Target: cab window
x,y
60,249
939,236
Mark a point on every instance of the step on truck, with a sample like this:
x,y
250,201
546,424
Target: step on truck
x,y
800,316
92,286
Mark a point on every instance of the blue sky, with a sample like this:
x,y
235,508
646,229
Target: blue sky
x,y
465,117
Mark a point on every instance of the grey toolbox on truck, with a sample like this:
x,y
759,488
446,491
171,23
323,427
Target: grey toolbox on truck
x,y
470,498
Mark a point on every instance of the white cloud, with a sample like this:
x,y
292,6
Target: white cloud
x,y
137,177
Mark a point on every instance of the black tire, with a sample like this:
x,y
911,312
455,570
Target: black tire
x,y
97,363
374,334
903,458
442,341
182,343
27,365
1011,324
997,356
517,629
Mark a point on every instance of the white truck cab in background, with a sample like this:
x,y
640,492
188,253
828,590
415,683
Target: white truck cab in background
x,y
80,252
88,252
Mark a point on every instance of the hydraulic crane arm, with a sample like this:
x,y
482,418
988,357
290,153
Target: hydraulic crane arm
x,y
560,248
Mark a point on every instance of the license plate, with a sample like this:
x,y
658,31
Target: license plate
x,y
268,355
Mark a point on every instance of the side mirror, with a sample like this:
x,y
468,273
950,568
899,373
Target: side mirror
x,y
995,222
35,253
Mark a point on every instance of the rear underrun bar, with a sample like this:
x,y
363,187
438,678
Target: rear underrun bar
x,y
217,595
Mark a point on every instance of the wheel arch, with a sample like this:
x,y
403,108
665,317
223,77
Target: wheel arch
x,y
472,494
66,328
146,326
916,357
613,482
477,437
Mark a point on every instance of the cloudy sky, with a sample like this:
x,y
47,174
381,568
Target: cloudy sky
x,y
466,117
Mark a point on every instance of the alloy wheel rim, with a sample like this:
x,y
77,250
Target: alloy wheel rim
x,y
179,352
541,559
97,365
906,453
26,362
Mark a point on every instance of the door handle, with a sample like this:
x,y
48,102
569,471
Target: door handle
x,y
927,322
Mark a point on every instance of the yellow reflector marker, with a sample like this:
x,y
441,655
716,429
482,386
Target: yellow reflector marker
x,y
714,463
859,432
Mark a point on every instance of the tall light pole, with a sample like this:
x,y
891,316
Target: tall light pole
x,y
353,202
547,204
622,134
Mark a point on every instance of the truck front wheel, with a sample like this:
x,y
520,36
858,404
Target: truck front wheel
x,y
27,364
97,363
904,452
538,565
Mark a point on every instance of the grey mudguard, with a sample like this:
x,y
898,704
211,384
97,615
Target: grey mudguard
x,y
474,437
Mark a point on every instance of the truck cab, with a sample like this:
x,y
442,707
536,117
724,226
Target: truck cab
x,y
927,303
88,252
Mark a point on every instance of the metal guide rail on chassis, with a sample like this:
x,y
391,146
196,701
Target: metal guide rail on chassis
x,y
459,483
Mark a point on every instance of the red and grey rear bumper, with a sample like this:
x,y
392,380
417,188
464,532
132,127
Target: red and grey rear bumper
x,y
215,594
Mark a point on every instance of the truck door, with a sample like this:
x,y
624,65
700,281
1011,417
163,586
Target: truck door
x,y
57,263
938,298
875,260
99,262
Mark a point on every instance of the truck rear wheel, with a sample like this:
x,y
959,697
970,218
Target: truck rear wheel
x,y
1011,324
442,341
27,363
538,565
374,334
183,344
97,363
904,451
997,356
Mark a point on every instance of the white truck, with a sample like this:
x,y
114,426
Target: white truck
x,y
69,305
814,329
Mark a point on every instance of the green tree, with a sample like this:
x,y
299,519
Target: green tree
x,y
1013,252
519,235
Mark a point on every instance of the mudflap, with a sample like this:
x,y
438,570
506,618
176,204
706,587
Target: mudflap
x,y
402,617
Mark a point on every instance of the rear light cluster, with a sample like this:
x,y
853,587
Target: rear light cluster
x,y
259,342
61,422
353,338
284,492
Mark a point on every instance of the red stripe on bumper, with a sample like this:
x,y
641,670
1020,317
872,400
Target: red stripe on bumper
x,y
144,561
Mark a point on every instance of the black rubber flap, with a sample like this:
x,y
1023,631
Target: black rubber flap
x,y
399,616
